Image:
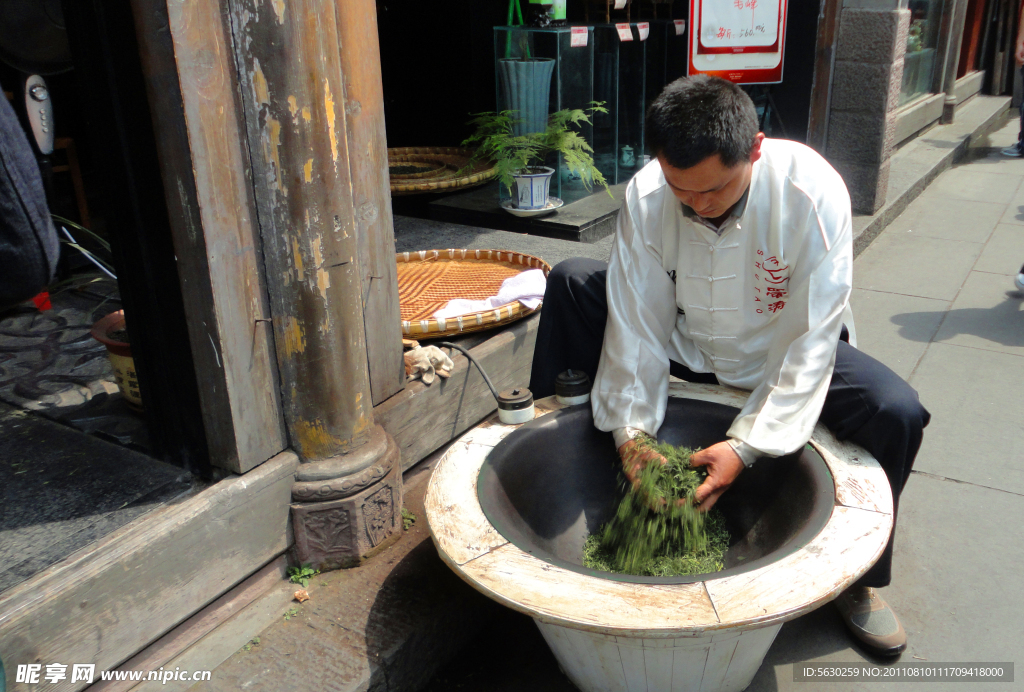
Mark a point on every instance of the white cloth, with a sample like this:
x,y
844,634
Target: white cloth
x,y
527,287
761,305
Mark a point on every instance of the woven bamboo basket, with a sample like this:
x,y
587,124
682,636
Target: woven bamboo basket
x,y
428,279
446,162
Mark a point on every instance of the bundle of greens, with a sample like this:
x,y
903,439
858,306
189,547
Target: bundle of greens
x,y
676,539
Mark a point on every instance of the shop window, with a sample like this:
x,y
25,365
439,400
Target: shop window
x,y
921,59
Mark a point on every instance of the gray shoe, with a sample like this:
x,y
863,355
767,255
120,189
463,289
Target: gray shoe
x,y
1019,280
1013,151
870,619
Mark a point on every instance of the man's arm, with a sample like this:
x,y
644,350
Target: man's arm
x,y
781,412
631,386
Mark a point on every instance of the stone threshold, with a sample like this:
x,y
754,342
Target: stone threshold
x,y
921,160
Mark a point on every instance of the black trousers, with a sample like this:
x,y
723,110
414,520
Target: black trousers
x,y
867,402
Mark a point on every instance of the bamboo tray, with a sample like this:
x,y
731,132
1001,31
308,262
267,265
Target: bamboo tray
x,y
441,168
428,279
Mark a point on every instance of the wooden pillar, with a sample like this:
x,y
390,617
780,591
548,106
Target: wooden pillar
x,y
293,91
371,194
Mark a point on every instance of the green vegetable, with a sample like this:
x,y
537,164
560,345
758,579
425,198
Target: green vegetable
x,y
677,540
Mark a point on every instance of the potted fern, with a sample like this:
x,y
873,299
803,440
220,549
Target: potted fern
x,y
519,159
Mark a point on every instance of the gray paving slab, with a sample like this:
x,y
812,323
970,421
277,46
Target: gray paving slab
x,y
914,265
898,343
1004,251
1015,210
977,428
967,182
987,315
422,234
956,573
952,219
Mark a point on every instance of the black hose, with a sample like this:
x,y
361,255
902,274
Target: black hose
x,y
487,380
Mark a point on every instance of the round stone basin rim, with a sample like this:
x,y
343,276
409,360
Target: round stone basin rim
x,y
851,541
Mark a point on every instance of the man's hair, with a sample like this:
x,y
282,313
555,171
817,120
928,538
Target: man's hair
x,y
700,116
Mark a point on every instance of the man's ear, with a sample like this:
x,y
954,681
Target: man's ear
x,y
755,152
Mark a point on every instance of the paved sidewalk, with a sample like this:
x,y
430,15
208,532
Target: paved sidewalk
x,y
935,301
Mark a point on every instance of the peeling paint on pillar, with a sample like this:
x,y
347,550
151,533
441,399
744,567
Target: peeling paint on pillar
x,y
314,441
329,106
272,151
293,108
306,114
279,8
300,273
294,337
323,279
259,84
307,171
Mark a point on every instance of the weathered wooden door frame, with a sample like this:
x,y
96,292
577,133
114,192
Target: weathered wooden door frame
x,y
191,64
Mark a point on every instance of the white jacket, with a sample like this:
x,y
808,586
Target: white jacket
x,y
760,305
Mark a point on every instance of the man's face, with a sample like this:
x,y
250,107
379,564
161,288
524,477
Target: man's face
x,y
710,188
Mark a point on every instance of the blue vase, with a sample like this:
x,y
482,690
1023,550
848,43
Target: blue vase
x,y
526,84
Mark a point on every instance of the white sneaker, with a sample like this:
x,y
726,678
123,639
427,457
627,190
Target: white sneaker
x,y
1013,151
1019,281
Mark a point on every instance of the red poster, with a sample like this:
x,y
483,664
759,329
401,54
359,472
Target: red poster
x,y
738,40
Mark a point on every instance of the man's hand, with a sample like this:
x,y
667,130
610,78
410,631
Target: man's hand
x,y
1019,53
634,458
723,466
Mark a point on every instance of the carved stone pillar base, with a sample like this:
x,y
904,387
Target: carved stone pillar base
x,y
353,516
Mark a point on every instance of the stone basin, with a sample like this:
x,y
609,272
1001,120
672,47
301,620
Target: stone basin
x,y
509,508
553,482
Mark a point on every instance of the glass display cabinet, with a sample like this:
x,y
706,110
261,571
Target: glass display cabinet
x,y
540,71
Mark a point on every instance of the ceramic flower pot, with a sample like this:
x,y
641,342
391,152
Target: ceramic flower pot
x,y
532,186
109,331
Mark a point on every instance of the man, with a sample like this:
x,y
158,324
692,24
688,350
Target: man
x,y
732,263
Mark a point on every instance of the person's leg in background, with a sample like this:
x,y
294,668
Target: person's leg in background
x,y
869,404
571,329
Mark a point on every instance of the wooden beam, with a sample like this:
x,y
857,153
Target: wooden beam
x,y
421,419
191,82
106,603
371,194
